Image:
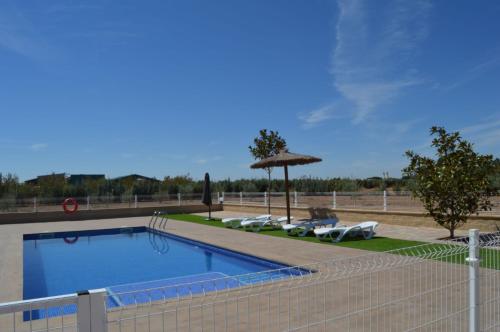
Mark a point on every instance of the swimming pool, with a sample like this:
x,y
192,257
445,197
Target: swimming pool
x,y
129,260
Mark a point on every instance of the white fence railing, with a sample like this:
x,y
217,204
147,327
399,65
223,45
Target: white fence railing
x,y
452,286
83,312
382,201
41,204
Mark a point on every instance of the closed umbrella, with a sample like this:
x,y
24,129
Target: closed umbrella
x,y
207,195
285,159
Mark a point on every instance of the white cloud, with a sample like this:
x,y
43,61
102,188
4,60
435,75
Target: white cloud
x,y
368,95
70,7
489,139
127,155
213,142
404,127
317,116
375,44
481,127
484,134
473,73
174,156
19,35
39,146
203,160
392,132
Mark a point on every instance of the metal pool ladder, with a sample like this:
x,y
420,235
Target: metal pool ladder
x,y
159,217
161,248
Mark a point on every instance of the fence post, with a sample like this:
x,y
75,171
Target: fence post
x,y
34,204
295,199
88,202
473,261
334,199
241,198
265,198
385,200
179,199
135,201
218,198
91,314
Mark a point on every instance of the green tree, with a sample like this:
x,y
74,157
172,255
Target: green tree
x,y
52,186
455,185
267,145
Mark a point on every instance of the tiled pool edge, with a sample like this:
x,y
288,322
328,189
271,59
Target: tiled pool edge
x,y
133,229
222,248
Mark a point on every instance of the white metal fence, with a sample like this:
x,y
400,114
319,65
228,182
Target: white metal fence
x,y
83,312
382,201
453,286
379,200
40,204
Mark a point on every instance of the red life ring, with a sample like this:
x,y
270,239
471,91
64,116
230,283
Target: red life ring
x,y
70,201
70,241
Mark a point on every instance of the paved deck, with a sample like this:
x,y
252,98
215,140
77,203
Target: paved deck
x,y
283,250
395,298
287,251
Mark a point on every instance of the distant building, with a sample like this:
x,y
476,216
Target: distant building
x,y
74,179
135,177
40,178
79,179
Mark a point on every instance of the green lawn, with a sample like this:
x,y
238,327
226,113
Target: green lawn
x,y
492,256
375,244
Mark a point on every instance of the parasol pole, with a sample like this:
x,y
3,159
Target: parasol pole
x,y
287,195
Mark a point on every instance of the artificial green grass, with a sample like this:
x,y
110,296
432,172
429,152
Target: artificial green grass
x,y
197,219
375,244
379,244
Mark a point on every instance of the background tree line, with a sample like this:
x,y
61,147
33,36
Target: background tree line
x,y
54,186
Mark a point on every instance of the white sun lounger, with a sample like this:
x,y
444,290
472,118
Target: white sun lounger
x,y
367,229
302,228
236,221
257,224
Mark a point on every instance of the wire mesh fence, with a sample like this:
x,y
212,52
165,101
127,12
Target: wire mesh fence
x,y
423,288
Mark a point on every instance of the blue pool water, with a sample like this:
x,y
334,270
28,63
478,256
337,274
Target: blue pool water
x,y
128,260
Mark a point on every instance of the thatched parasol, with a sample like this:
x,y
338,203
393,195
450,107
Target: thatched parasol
x,y
285,159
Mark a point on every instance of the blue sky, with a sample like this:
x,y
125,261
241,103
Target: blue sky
x,y
176,87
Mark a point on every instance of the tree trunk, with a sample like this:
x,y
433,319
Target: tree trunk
x,y
452,232
269,192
